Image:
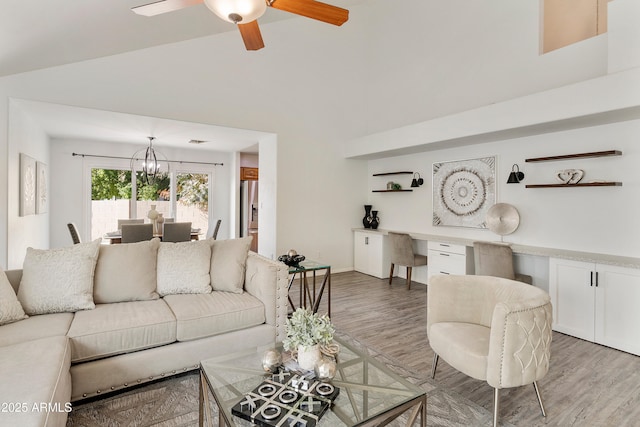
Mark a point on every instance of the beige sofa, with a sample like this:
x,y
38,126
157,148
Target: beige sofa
x,y
49,360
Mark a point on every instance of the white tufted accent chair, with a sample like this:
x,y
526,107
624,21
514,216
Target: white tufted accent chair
x,y
492,329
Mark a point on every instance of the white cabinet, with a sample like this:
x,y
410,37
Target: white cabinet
x,y
371,254
447,258
596,302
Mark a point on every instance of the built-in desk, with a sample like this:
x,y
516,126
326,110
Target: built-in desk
x,y
594,296
620,261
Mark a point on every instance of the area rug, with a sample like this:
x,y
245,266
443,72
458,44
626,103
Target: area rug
x,y
174,402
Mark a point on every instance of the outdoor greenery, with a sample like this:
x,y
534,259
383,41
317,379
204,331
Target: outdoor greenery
x,y
107,184
307,329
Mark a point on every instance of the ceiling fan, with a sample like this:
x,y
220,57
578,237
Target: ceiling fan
x,y
245,13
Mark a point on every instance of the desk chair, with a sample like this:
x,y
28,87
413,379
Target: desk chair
x,y
129,221
402,254
75,236
491,329
132,233
176,232
495,259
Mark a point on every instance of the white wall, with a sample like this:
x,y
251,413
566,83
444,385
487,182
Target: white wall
x,y
591,219
392,64
32,230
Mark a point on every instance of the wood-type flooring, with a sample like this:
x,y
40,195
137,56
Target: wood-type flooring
x,y
587,384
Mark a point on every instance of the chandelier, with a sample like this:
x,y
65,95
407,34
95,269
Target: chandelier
x,y
151,164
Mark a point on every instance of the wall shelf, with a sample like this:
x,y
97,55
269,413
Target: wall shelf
x,y
393,173
388,174
606,153
586,184
576,156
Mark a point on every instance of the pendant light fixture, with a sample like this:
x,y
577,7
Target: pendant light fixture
x,y
151,165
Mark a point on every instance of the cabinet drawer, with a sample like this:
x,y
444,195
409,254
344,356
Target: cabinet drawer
x,y
447,247
445,263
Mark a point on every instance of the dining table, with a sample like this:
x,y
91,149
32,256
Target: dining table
x,y
115,237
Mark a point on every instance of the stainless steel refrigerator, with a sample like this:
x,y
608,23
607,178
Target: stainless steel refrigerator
x,y
249,211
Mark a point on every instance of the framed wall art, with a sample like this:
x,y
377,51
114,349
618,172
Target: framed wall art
x,y
463,192
27,185
41,188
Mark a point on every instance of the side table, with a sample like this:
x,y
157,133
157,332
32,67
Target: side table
x,y
310,295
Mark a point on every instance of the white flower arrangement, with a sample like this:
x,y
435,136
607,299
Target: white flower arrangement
x,y
307,329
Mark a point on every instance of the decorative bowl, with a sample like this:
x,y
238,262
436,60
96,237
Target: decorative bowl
x,y
290,260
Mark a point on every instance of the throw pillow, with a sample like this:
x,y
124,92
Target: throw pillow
x,y
183,268
58,280
10,308
228,264
126,272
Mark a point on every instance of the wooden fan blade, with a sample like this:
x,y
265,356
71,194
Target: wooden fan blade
x,y
251,35
163,6
314,10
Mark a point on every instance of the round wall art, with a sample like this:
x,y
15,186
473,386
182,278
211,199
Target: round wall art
x,y
463,191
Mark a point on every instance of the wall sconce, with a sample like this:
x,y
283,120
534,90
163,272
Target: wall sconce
x,y
416,182
515,176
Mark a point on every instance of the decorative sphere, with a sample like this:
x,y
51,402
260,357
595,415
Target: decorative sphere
x,y
271,360
292,252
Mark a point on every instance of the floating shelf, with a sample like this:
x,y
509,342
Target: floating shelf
x,y
586,184
388,191
393,173
576,156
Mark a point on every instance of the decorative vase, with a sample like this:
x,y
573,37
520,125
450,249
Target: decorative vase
x,y
159,223
366,221
375,221
153,215
325,369
308,356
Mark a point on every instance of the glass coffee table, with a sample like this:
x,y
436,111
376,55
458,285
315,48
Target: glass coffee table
x,y
370,393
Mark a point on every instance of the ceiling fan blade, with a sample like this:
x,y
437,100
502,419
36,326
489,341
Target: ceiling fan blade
x,y
313,9
251,35
163,6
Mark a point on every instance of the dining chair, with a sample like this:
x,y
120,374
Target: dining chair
x,y
129,221
492,329
495,259
75,236
132,233
166,220
176,232
213,235
402,254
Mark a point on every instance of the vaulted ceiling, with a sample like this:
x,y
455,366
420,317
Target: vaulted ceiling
x,y
37,34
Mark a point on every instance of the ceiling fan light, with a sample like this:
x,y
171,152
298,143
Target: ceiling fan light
x,y
229,10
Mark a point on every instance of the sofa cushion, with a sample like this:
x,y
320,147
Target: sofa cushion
x,y
10,308
228,263
36,373
122,327
58,280
462,344
36,327
126,272
204,315
183,268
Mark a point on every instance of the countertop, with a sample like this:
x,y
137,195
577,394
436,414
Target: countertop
x,y
620,261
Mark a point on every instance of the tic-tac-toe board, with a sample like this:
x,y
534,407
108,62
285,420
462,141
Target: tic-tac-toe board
x,y
286,399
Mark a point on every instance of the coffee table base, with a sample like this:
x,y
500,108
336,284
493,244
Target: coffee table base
x,y
419,405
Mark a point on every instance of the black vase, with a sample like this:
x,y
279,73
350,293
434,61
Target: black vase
x,y
375,221
366,221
